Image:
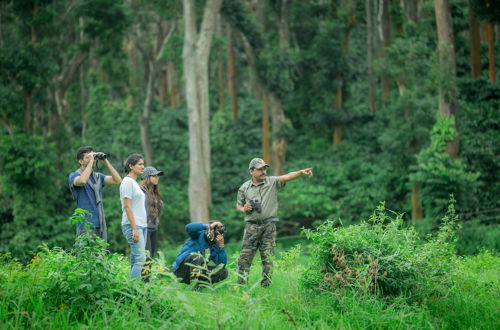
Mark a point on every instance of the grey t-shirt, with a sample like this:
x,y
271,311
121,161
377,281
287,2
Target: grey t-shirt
x,y
130,189
266,192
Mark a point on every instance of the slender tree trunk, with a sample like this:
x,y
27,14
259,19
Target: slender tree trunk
x,y
283,27
83,91
475,43
231,73
337,129
221,71
350,6
266,152
410,8
369,56
34,32
222,84
417,212
384,24
164,86
28,109
447,62
490,39
195,55
171,84
152,58
279,144
146,111
2,5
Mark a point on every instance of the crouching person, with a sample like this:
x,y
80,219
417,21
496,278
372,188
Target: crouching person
x,y
190,263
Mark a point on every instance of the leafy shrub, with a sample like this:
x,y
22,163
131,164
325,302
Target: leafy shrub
x,y
82,281
380,257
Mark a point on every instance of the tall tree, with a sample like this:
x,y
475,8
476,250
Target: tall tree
x,y
348,14
195,55
369,56
385,34
447,63
231,72
475,43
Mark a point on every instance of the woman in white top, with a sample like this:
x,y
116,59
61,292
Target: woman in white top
x,y
134,217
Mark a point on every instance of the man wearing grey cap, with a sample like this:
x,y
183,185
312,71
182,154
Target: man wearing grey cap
x,y
258,200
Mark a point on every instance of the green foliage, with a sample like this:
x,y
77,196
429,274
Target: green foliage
x,y
380,257
441,175
83,281
28,173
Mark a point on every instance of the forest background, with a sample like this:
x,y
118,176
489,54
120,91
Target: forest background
x,y
383,103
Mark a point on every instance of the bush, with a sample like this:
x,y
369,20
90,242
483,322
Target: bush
x,y
84,281
380,257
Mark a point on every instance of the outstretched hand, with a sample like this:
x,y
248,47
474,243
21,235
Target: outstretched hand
x,y
307,171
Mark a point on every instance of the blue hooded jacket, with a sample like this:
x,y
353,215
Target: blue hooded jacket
x,y
197,242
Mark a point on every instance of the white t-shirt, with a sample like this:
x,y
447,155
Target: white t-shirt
x,y
130,189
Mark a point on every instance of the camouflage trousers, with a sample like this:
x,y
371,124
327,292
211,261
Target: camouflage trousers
x,y
262,237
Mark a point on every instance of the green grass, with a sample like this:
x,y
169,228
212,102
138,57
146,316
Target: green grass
x,y
472,303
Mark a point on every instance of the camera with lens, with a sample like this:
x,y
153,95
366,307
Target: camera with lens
x,y
256,205
219,230
100,155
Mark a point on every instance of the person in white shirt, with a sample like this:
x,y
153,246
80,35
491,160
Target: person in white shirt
x,y
134,217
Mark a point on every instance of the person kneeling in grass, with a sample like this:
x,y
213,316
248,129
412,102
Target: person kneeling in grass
x,y
190,263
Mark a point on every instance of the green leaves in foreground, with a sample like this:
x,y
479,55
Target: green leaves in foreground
x,y
380,257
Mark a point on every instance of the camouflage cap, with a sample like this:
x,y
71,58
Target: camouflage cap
x,y
150,171
257,163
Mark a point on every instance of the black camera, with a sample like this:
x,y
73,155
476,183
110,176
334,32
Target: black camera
x,y
100,155
256,205
219,230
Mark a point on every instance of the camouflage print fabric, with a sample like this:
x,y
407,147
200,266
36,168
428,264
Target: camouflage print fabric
x,y
262,237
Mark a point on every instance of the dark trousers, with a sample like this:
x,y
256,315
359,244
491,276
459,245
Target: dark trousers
x,y
152,242
151,248
187,273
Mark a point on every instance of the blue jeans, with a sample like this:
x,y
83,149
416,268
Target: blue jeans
x,y
137,250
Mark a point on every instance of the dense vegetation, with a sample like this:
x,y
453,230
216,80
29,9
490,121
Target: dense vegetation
x,y
381,276
354,89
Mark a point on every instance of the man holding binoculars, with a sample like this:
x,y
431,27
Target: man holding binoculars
x,y
86,187
258,200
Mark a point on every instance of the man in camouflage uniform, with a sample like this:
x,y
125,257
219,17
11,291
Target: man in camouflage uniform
x,y
258,200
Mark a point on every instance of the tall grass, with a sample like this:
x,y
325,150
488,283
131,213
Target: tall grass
x,y
24,295
89,287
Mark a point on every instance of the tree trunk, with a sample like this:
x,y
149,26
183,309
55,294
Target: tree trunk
x,y
410,9
34,33
146,111
195,55
416,205
83,91
337,129
171,84
475,44
447,62
163,84
369,57
28,110
279,144
231,73
152,59
417,212
350,7
266,152
221,83
283,26
384,26
490,39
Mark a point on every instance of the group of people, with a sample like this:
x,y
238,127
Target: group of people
x,y
142,206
